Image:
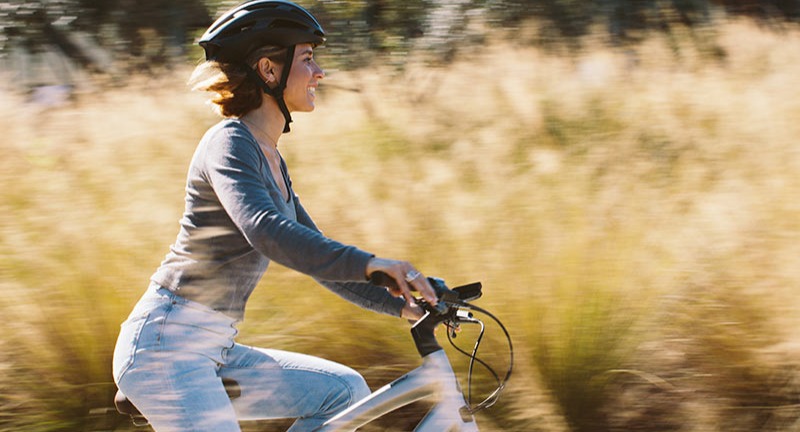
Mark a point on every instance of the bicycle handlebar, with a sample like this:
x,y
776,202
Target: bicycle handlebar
x,y
464,293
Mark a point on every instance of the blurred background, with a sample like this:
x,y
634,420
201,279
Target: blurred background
x,y
622,175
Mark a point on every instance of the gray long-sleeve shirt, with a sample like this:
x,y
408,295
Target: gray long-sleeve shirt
x,y
236,221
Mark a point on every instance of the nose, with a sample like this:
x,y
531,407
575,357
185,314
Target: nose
x,y
318,72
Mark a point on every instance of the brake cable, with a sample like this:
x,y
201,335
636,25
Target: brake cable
x,y
501,384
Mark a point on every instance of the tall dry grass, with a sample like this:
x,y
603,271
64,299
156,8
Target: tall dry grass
x,y
632,214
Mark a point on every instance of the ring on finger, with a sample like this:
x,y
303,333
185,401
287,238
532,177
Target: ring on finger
x,y
412,275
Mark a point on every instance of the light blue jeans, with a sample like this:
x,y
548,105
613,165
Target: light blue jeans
x,y
171,357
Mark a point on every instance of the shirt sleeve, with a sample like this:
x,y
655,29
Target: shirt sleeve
x,y
233,165
366,295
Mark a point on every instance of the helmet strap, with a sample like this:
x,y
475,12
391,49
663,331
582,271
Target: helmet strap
x,y
277,92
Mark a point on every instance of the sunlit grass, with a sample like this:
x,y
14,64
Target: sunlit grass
x,y
632,214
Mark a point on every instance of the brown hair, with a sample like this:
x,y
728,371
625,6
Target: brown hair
x,y
234,94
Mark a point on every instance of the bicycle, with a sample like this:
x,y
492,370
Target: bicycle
x,y
435,377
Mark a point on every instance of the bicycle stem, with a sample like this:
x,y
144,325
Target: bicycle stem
x,y
423,334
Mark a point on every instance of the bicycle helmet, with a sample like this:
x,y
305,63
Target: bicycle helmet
x,y
254,24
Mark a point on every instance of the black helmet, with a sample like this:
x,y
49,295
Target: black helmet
x,y
257,23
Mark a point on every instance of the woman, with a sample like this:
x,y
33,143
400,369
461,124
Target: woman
x,y
178,345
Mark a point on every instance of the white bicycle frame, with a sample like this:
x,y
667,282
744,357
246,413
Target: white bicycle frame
x,y
435,378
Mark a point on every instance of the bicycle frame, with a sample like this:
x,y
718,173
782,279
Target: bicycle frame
x,y
435,377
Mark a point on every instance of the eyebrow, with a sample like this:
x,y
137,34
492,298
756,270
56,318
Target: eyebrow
x,y
307,51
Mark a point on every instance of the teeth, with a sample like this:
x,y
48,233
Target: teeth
x,y
312,89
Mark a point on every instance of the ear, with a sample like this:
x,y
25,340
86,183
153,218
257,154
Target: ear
x,y
266,70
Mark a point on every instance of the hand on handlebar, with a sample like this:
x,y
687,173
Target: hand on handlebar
x,y
400,277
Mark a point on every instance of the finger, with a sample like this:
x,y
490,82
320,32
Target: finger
x,y
406,291
410,275
424,287
402,280
420,283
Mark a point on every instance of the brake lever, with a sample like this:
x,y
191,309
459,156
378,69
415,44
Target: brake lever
x,y
447,297
440,309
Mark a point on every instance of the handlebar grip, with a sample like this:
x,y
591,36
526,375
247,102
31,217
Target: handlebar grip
x,y
382,279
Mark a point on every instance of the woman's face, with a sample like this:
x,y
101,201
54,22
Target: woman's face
x,y
303,79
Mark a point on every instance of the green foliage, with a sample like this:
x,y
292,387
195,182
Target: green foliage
x,y
149,33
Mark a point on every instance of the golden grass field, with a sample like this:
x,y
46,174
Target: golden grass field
x,y
633,214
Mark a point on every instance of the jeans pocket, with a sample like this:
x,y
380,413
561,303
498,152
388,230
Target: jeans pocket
x,y
127,344
197,330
